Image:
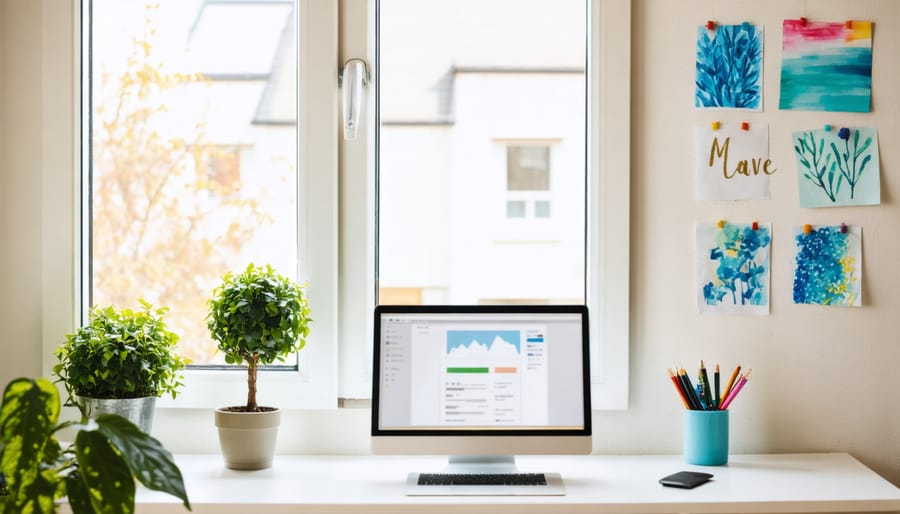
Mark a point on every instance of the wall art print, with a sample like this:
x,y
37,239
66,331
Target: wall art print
x,y
732,162
838,167
828,266
826,66
733,267
729,67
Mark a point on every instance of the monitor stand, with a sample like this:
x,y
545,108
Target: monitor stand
x,y
481,464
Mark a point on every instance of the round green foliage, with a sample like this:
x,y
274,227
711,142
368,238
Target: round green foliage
x,y
258,316
121,354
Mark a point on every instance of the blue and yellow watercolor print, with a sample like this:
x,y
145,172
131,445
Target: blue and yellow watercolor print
x,y
826,66
733,267
729,67
828,266
838,167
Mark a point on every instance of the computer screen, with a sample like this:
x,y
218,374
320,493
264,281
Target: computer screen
x,y
481,380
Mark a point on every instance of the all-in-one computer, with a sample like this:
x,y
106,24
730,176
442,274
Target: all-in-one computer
x,y
481,384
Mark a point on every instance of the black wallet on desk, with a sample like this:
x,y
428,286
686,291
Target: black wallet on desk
x,y
685,479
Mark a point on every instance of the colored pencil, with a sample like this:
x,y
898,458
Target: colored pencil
x,y
729,385
689,393
690,387
716,400
734,392
679,389
704,383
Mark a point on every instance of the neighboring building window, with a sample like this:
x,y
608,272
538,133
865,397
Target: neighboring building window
x,y
528,168
528,181
223,171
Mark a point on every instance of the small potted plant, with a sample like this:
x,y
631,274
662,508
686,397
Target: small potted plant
x,y
120,362
256,317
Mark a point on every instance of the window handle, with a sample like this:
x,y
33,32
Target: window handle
x,y
353,79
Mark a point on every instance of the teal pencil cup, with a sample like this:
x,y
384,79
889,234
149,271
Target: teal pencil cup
x,y
706,437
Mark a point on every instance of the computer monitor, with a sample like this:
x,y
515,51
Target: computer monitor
x,y
481,381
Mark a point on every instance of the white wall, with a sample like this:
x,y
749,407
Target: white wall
x,y
824,379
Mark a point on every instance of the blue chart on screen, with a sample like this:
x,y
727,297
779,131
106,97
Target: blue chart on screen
x,y
475,343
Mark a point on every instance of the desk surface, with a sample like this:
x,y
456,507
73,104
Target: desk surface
x,y
834,482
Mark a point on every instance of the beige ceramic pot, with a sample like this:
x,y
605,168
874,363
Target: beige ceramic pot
x,y
247,439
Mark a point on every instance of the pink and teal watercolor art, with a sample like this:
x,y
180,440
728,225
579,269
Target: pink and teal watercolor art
x,y
826,66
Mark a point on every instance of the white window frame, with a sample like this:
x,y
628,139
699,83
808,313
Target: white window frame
x,y
314,385
342,258
608,225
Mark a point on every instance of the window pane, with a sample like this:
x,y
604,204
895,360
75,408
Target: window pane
x,y
480,120
193,152
541,209
528,168
515,209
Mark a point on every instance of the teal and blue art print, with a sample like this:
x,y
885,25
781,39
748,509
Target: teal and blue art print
x,y
828,266
729,67
733,267
838,167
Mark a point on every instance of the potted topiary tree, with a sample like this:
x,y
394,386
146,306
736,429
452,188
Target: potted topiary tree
x,y
256,317
95,473
120,362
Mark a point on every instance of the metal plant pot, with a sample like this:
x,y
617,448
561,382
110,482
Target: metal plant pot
x,y
136,410
247,439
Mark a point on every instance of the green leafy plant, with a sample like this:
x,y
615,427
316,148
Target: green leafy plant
x,y
96,472
258,317
819,168
121,354
848,161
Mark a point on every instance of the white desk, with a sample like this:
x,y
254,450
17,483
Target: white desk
x,y
595,484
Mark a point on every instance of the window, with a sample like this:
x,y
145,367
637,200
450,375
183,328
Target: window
x,y
465,150
528,168
223,171
449,105
333,234
192,167
528,182
167,114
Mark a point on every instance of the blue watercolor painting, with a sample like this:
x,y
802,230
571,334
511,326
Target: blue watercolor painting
x,y
826,66
733,267
828,266
838,167
729,67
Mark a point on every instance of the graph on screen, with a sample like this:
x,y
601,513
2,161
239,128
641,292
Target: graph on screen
x,y
465,344
488,374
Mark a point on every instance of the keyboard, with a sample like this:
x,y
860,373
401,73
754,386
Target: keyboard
x,y
482,479
488,484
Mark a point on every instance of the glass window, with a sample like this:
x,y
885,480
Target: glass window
x,y
193,152
528,168
515,209
541,209
465,120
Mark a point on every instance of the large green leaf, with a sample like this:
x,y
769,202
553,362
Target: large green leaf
x,y
40,495
77,494
27,417
150,462
105,474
